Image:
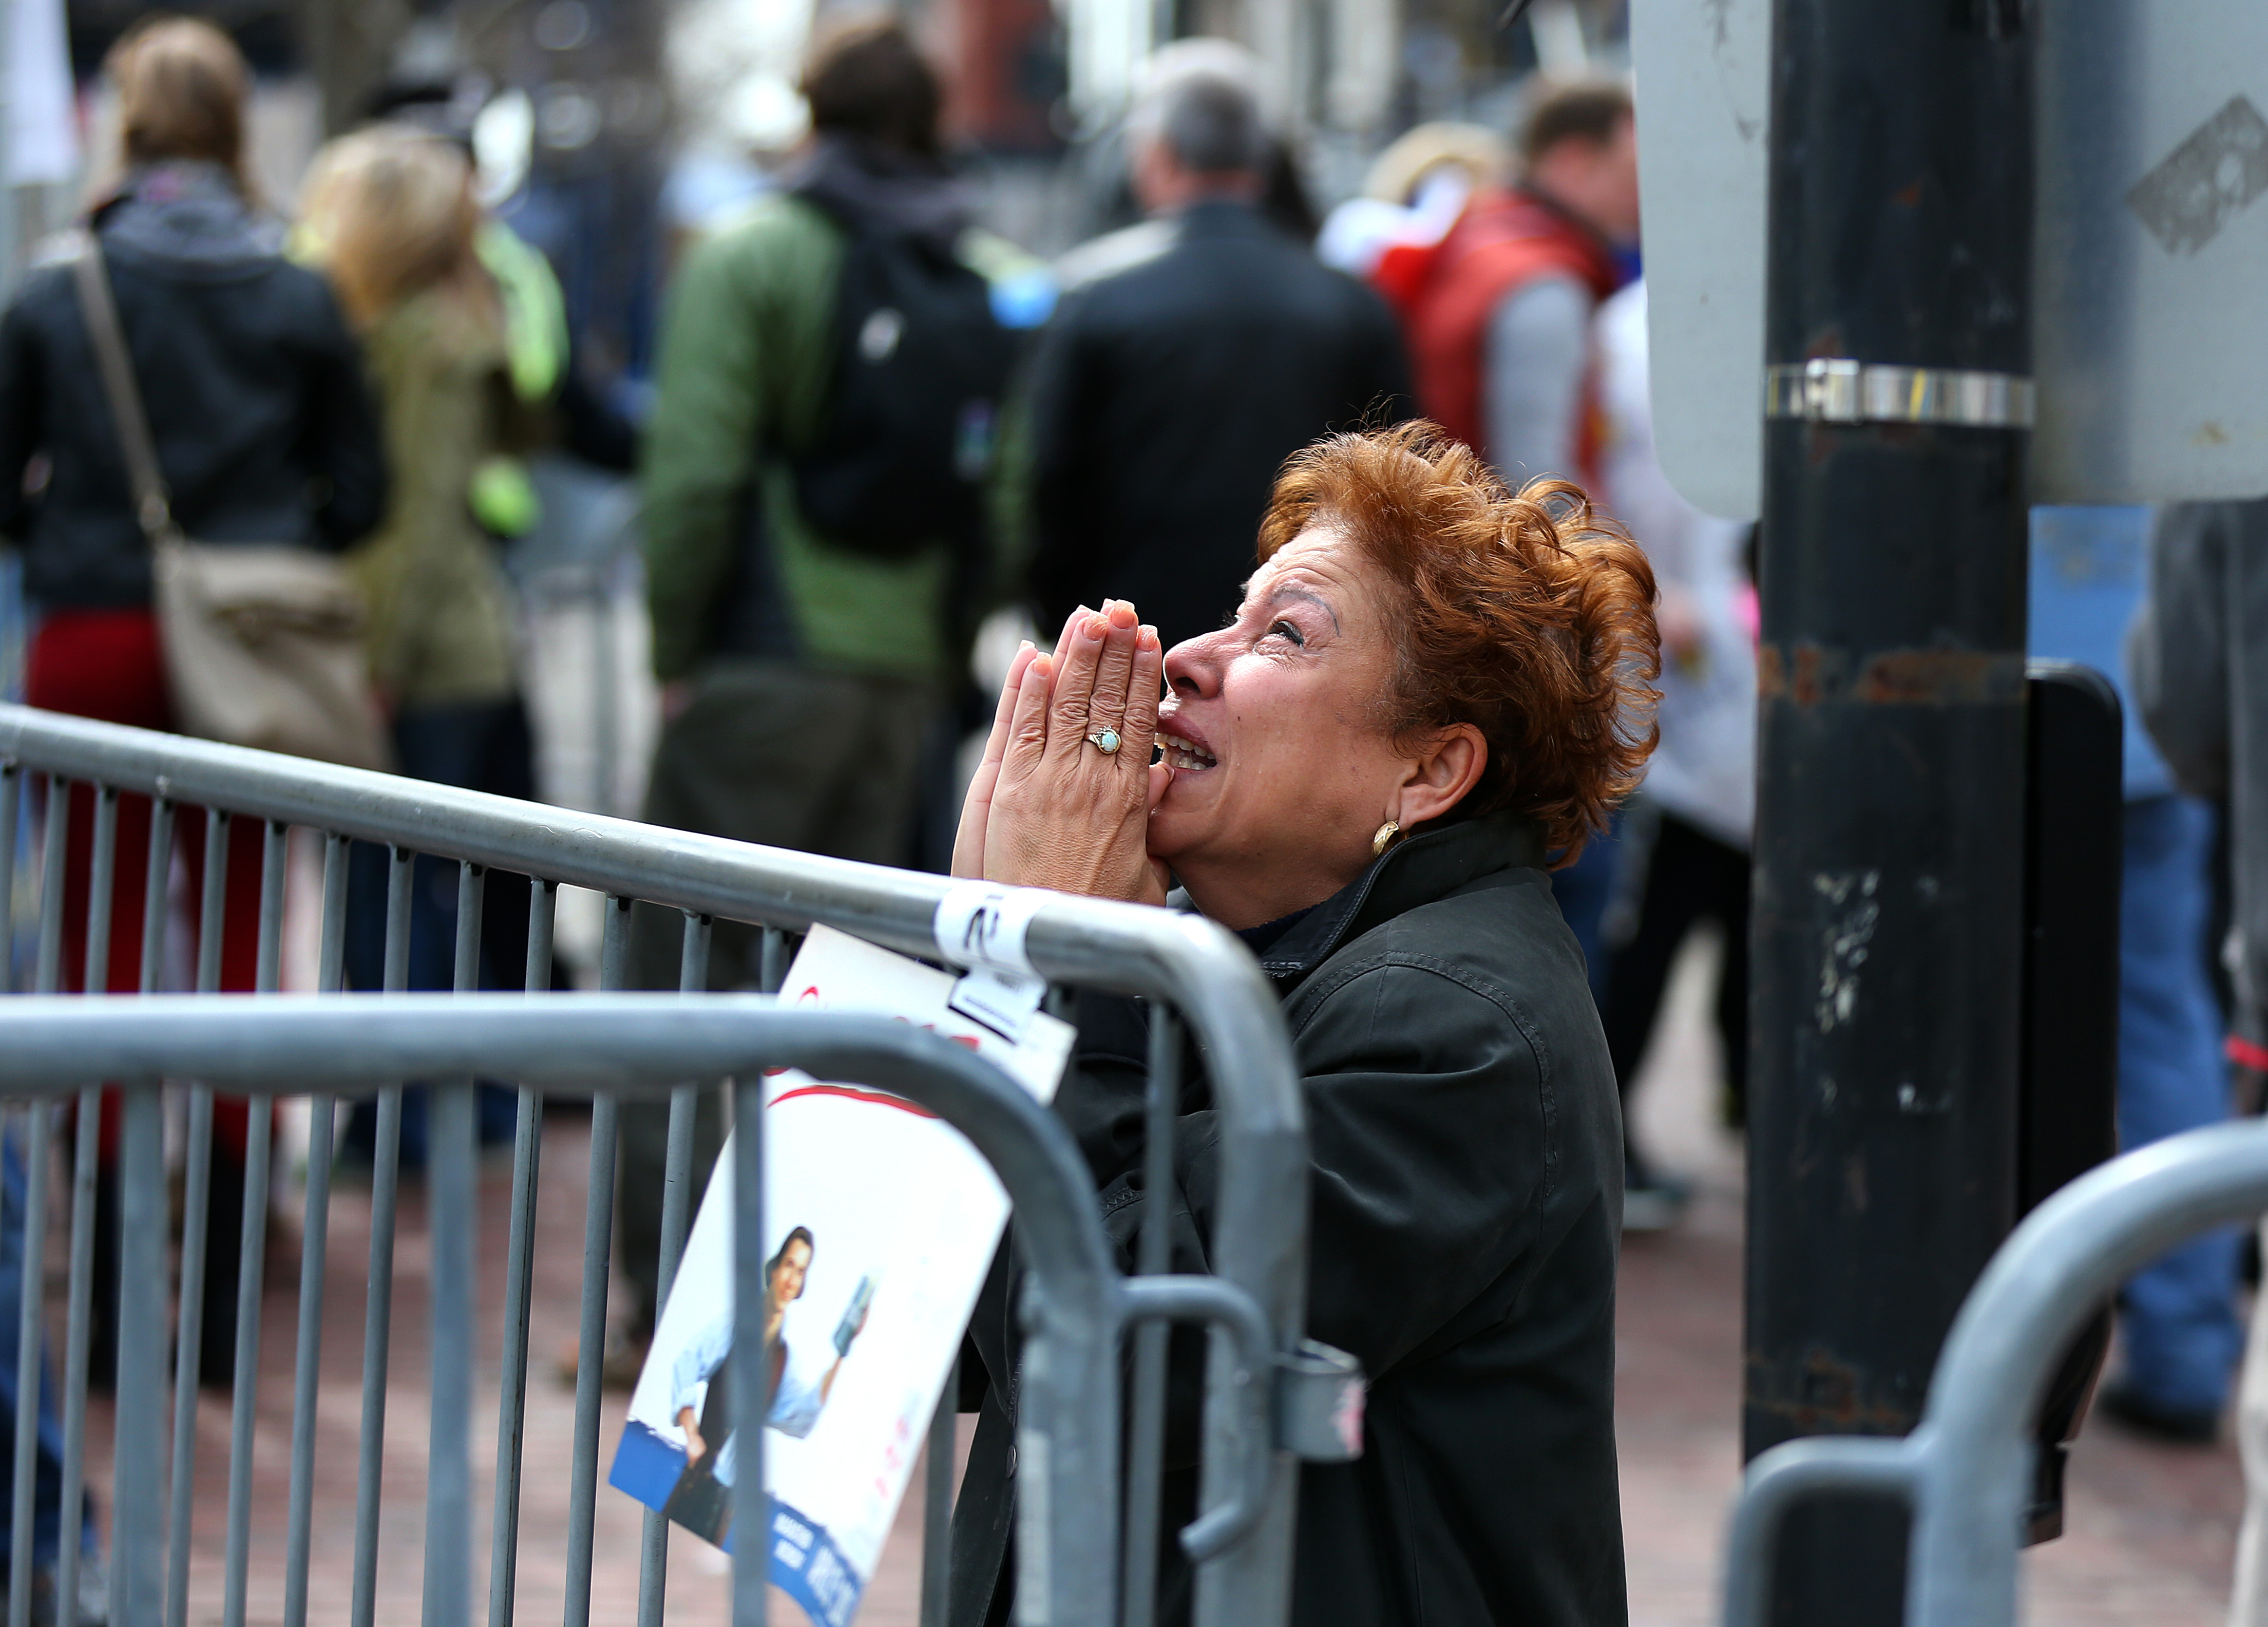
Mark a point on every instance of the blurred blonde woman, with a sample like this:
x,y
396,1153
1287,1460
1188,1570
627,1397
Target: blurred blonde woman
x,y
389,214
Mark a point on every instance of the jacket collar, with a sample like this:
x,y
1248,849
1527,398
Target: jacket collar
x,y
1221,216
187,220
1523,214
1428,865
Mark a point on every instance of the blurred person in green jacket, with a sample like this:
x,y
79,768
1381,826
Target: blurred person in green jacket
x,y
817,476
389,214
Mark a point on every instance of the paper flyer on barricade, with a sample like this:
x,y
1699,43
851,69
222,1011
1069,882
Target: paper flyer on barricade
x,y
880,1223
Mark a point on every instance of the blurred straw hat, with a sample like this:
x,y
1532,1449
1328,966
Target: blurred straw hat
x,y
1478,150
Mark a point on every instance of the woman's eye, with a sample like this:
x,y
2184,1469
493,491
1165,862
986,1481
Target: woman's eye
x,y
1284,630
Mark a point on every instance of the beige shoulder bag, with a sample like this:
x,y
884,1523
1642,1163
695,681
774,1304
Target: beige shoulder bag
x,y
263,642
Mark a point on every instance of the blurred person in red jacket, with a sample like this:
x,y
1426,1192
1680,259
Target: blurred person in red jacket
x,y
1499,321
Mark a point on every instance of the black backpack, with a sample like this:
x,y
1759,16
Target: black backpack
x,y
908,436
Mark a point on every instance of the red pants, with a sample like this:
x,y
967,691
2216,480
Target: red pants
x,y
108,664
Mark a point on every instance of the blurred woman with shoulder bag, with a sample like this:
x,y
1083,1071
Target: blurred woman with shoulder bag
x,y
263,434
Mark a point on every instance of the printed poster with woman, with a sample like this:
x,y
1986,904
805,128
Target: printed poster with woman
x,y
880,1222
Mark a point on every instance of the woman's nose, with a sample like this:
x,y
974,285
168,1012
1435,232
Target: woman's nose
x,y
1193,666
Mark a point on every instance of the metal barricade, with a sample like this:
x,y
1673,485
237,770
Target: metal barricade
x,y
1189,968
1073,1309
1966,1470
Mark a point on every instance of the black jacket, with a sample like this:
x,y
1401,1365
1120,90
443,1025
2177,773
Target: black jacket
x,y
253,384
1165,398
1465,1144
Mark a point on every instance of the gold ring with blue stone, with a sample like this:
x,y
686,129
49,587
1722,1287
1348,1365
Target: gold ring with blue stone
x,y
1105,740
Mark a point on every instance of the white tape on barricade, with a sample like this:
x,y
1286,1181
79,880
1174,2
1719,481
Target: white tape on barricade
x,y
981,926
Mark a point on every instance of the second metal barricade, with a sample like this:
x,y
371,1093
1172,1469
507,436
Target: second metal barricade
x,y
1966,1471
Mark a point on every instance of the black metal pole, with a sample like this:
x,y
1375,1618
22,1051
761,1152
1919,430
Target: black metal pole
x,y
1888,951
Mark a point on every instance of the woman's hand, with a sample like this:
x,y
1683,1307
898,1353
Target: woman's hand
x,y
1048,807
968,843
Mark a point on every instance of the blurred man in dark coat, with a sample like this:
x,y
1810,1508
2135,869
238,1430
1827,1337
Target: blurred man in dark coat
x,y
1191,355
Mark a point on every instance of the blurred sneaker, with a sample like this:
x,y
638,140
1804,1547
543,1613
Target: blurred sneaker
x,y
1652,1201
1652,1208
93,1597
2182,1426
93,1592
624,1359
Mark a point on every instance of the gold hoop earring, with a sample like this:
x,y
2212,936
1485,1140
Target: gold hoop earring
x,y
1387,832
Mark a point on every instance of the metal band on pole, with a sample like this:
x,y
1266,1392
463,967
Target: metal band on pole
x,y
1835,390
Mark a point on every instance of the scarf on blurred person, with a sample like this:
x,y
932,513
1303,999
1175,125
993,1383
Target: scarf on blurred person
x,y
188,219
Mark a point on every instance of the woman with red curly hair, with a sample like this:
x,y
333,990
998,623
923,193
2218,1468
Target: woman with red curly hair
x,y
1431,685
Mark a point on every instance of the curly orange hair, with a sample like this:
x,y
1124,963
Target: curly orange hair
x,y
1526,614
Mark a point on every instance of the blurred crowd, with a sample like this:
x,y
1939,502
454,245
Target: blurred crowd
x,y
821,566
882,443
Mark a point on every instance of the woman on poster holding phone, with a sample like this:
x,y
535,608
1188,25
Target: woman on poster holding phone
x,y
701,1402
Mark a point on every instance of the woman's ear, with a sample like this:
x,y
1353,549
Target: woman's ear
x,y
1450,767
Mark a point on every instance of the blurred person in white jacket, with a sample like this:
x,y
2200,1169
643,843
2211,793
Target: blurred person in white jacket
x,y
1700,794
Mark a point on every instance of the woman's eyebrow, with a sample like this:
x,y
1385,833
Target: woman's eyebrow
x,y
1292,590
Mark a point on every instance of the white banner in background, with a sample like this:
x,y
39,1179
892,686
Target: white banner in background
x,y
880,1222
43,118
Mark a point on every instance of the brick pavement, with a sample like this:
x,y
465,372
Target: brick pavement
x,y
697,1574
2151,1529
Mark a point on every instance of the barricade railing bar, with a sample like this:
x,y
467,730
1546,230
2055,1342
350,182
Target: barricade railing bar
x,y
1073,1308
1965,1472
1189,969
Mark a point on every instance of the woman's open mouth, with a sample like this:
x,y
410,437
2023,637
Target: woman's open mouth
x,y
1185,756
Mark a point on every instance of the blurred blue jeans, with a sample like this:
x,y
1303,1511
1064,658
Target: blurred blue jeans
x,y
47,1493
2179,1316
1584,890
480,746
